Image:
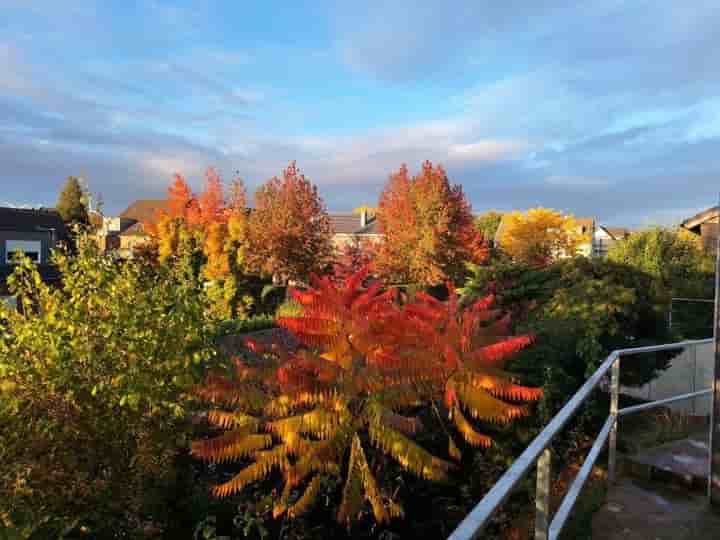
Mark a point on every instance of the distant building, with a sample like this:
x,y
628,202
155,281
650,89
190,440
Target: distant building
x,y
126,231
604,237
348,228
34,233
705,225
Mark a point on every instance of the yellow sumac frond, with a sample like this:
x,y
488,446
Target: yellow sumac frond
x,y
482,405
230,420
230,446
318,422
352,496
286,403
307,499
308,464
453,450
409,454
503,388
251,473
472,437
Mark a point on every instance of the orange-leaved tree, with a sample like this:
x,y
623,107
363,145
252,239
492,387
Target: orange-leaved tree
x,y
289,228
540,235
428,227
353,393
211,226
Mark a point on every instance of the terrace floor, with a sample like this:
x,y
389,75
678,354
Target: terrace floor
x,y
660,497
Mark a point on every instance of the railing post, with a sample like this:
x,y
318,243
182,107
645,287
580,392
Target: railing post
x,y
693,358
614,398
542,496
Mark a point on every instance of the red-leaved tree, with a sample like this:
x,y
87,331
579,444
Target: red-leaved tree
x,y
428,227
289,229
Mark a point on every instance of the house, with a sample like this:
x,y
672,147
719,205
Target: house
x,y
705,225
586,227
604,237
33,232
125,232
348,228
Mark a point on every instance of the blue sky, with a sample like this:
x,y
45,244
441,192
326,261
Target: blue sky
x,y
608,109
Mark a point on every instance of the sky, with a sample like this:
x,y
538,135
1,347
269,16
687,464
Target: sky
x,y
599,108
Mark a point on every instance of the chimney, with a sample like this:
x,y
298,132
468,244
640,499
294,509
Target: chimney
x,y
363,219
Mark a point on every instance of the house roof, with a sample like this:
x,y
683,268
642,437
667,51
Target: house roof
x,y
348,223
700,218
32,220
144,210
344,223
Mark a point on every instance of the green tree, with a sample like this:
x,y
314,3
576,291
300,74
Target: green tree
x,y
72,203
488,223
580,310
94,401
674,258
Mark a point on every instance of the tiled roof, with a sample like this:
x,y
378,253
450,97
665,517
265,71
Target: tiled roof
x,y
144,210
701,217
344,223
32,220
347,223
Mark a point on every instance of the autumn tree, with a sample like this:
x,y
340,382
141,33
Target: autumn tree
x,y
540,235
71,204
352,392
428,227
213,227
289,230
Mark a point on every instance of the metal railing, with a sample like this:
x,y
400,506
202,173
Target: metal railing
x,y
539,452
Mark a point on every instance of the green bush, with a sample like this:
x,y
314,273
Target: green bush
x,y
94,394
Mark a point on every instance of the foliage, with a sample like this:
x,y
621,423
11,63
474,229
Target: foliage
x,y
71,205
580,310
353,257
289,231
244,326
540,235
674,258
428,226
336,408
94,380
212,226
488,223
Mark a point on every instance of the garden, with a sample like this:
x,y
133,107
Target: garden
x,y
242,377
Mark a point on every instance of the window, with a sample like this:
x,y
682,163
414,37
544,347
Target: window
x,y
31,249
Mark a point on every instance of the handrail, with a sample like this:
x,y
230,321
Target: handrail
x,y
472,526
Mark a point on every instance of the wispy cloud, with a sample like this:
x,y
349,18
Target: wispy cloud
x,y
605,108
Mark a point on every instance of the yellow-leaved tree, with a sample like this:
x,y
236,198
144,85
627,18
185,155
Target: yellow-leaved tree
x,y
540,235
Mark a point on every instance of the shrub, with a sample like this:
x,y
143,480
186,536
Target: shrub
x,y
338,408
94,380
